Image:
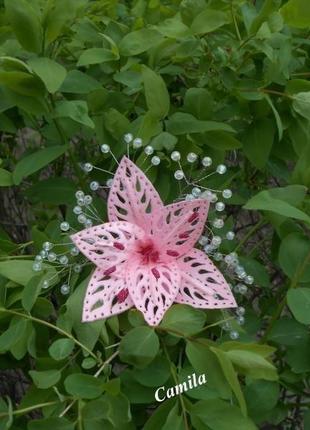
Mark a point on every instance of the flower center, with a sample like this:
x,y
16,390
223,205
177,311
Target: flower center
x,y
146,249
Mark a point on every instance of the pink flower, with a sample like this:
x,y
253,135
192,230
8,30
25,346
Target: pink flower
x,y
145,255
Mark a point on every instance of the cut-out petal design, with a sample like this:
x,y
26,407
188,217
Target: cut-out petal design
x,y
105,296
132,197
109,245
153,289
180,225
202,284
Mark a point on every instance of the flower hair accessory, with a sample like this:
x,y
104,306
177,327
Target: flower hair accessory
x,y
145,256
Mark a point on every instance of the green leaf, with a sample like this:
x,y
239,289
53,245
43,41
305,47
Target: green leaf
x,y
294,257
77,110
36,161
174,420
139,41
13,334
51,424
257,142
25,23
220,140
267,8
139,346
271,200
77,82
21,272
6,179
287,331
96,56
50,72
219,415
261,396
61,349
296,13
155,374
209,20
298,301
164,140
22,83
183,320
156,94
83,386
199,102
159,416
231,376
182,123
301,104
55,191
45,378
31,292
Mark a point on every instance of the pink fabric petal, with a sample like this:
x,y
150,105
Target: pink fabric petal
x,y
109,245
202,284
153,289
132,197
105,296
180,225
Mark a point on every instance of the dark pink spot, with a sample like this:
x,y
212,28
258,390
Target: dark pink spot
x,y
148,252
172,253
193,217
122,295
119,246
110,270
156,273
184,235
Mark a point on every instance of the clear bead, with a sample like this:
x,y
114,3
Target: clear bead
x,y
79,194
240,310
191,157
88,223
234,335
221,169
74,251
218,256
240,320
189,197
203,240
65,289
81,202
63,259
88,167
39,258
220,206
206,195
109,183
37,266
206,161
213,198
137,143
94,185
43,253
82,218
239,269
77,210
179,174
88,199
196,191
105,148
155,160
149,150
216,241
241,288
128,137
77,268
64,226
175,156
45,284
226,326
227,194
218,223
230,235
208,249
47,246
52,257
249,280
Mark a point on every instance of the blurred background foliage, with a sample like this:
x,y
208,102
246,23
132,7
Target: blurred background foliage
x,y
223,78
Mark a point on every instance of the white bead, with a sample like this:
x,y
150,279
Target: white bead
x,y
213,198
47,246
216,241
94,185
109,183
220,206
88,199
203,240
81,202
77,268
45,284
230,235
249,280
39,258
240,320
242,289
206,161
81,218
105,148
239,269
208,249
65,289
88,167
63,259
207,195
137,143
43,253
88,223
74,251
227,194
189,197
240,310
221,169
37,266
179,174
175,156
77,210
218,256
218,223
196,191
149,150
128,137
64,226
191,157
79,194
155,160
226,326
52,257
234,335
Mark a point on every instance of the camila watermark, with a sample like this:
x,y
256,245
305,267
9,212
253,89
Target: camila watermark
x,y
193,381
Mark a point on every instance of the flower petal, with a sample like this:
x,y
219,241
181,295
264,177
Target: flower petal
x,y
180,225
153,289
105,296
108,245
132,197
202,284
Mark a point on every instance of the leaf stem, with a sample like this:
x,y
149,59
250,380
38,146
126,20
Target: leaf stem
x,y
30,408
